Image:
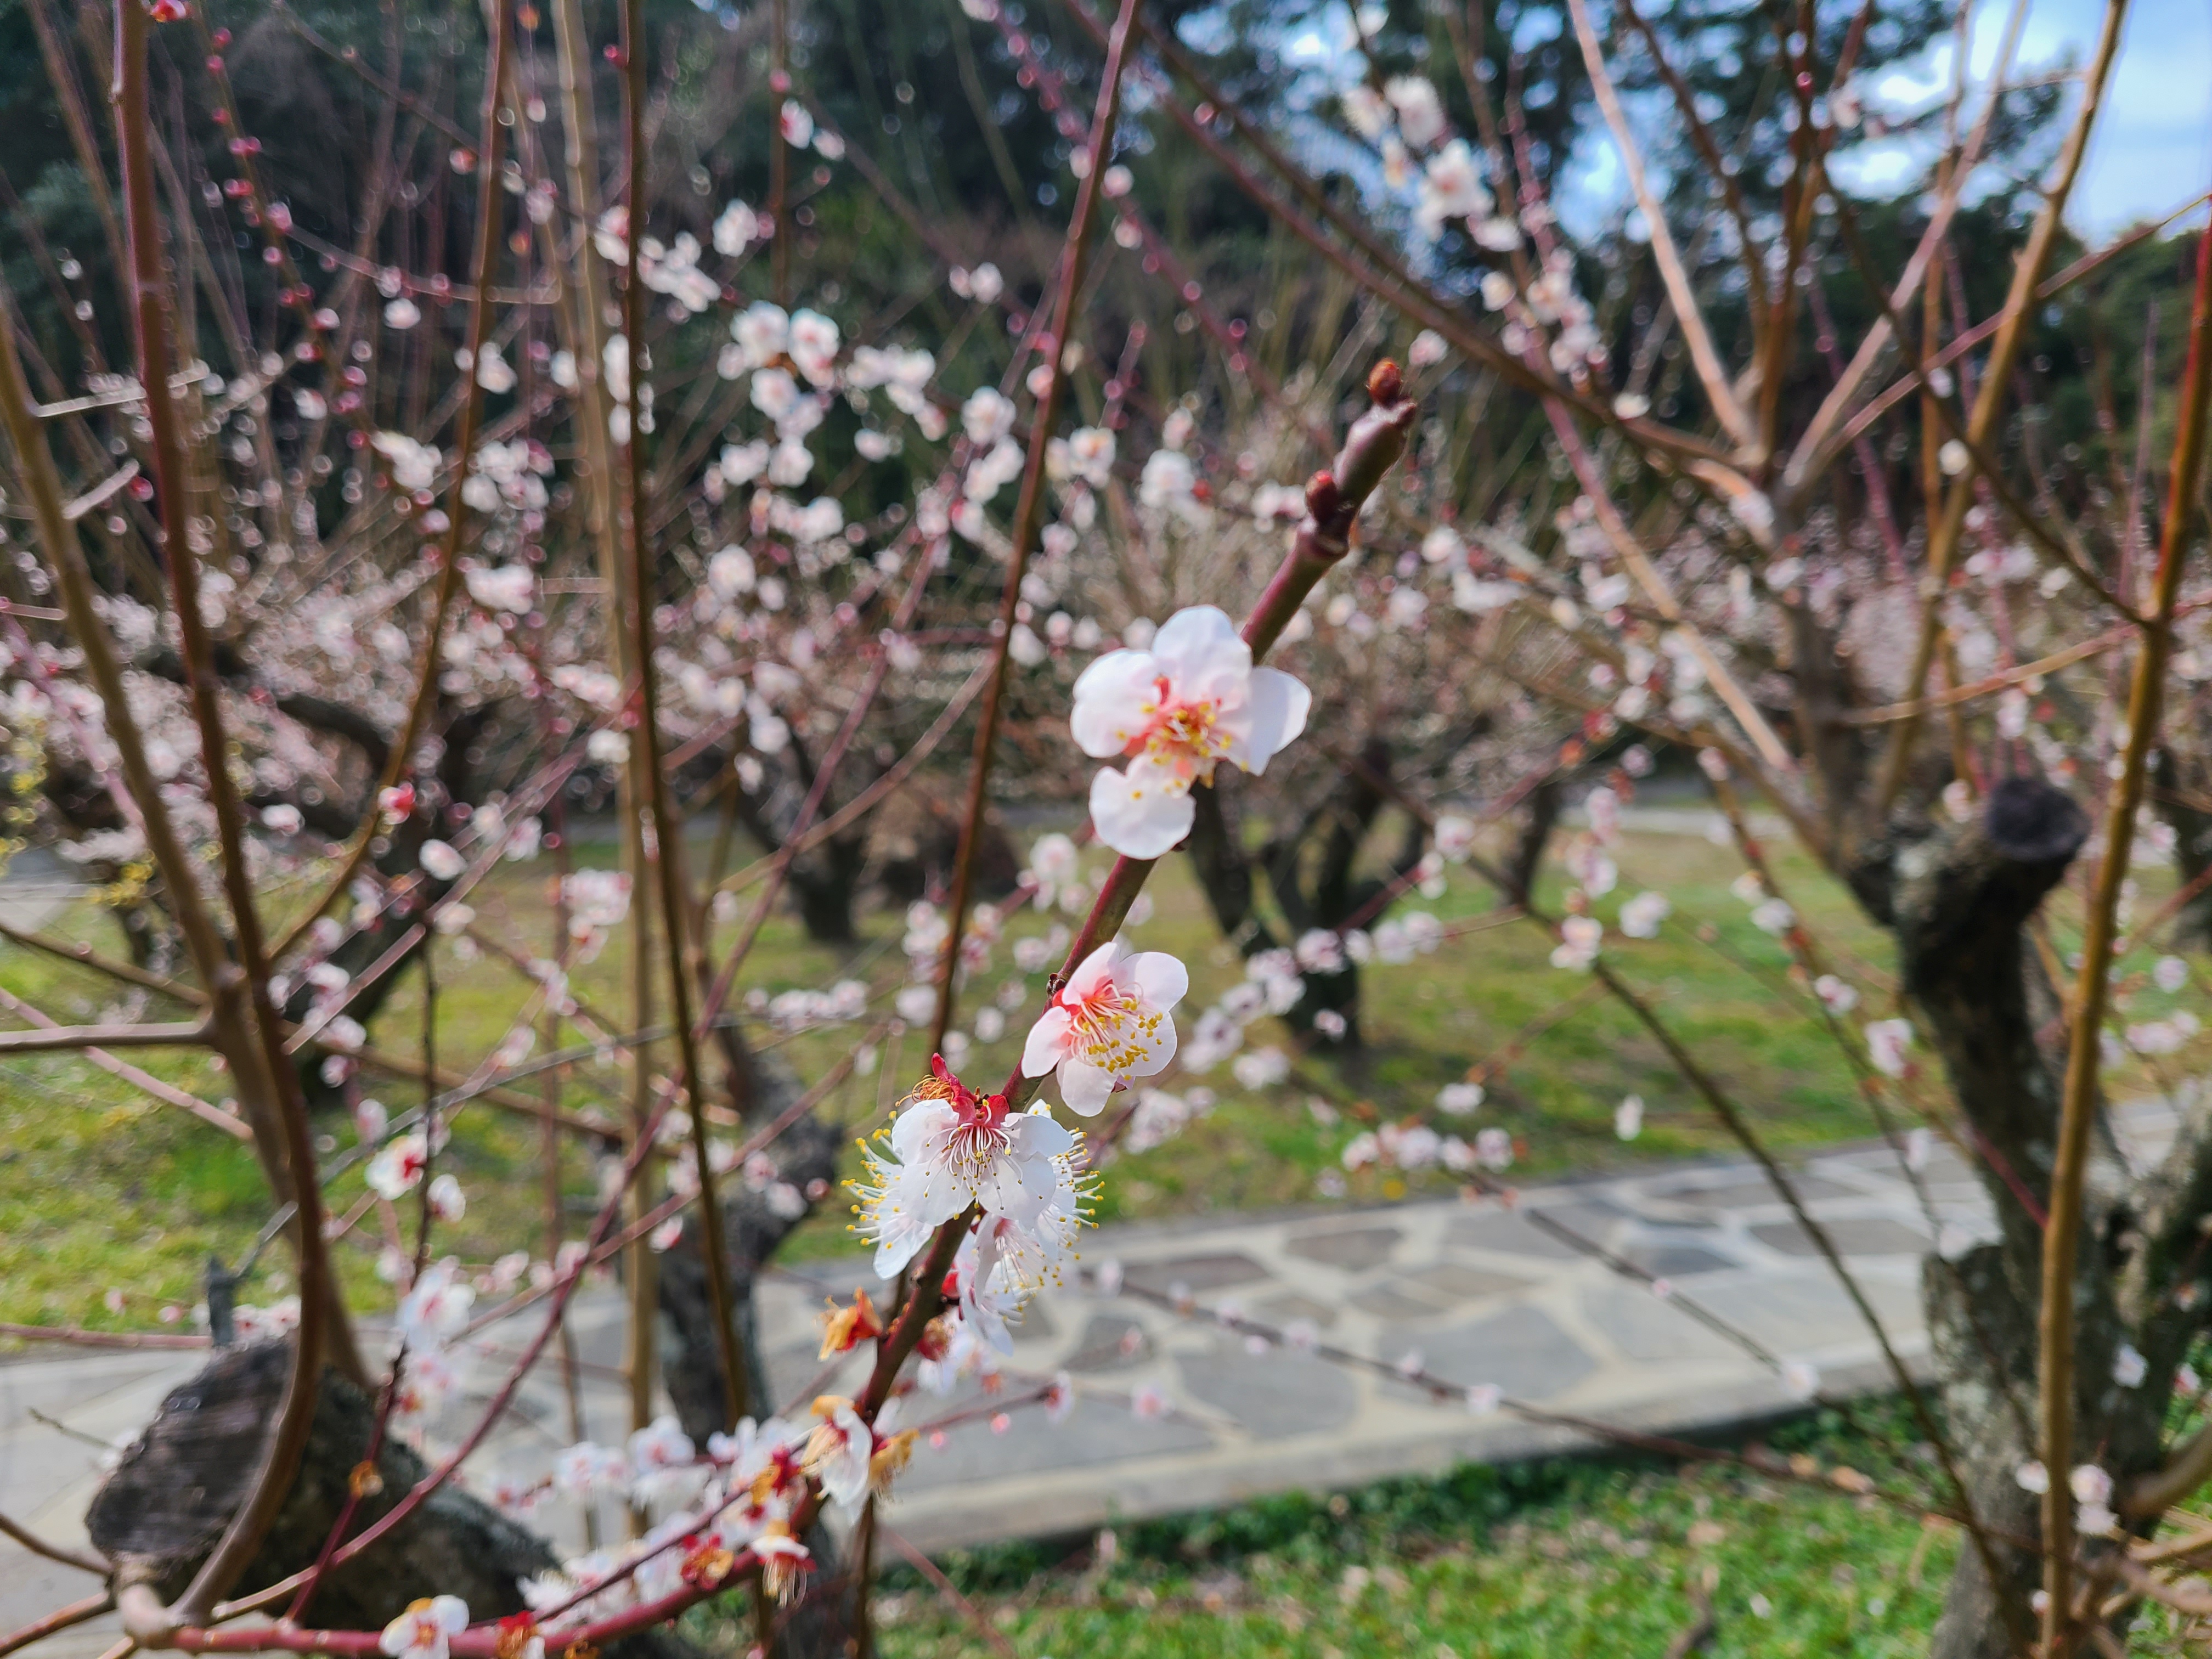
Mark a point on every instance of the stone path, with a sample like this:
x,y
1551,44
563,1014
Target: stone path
x,y
1484,1293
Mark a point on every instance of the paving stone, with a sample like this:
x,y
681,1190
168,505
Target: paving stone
x,y
1389,1302
1508,1234
1668,1258
1805,1310
1274,1394
1210,1272
1744,1194
1458,1283
1851,1234
1292,1307
1521,1350
1645,1328
1355,1248
1101,1347
1096,1432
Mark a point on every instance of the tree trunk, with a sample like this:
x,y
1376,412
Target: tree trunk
x,y
1958,900
1982,1332
1527,859
157,1517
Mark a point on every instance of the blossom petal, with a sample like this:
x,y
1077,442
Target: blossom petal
x,y
1198,643
1085,1087
1094,971
1048,1042
1141,813
1113,702
1038,1134
1280,705
1161,979
1017,1188
912,1130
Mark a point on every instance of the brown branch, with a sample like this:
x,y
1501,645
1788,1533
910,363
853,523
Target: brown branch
x,y
1989,406
1712,373
69,1557
1075,257
2093,987
61,1619
46,1039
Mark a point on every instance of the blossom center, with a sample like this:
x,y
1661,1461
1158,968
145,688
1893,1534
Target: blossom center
x,y
1181,733
1111,1027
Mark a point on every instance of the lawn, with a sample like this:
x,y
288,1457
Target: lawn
x,y
1545,1560
110,1194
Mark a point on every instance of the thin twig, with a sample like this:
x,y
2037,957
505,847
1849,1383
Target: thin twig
x,y
2061,1265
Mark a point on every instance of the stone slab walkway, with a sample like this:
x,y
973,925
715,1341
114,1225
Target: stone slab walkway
x,y
1484,1294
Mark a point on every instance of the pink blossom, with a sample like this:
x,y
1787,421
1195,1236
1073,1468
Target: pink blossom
x,y
1108,1023
1176,709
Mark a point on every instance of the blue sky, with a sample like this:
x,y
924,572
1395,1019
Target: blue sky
x,y
2152,148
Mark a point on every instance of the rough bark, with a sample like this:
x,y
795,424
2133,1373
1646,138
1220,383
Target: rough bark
x,y
160,1513
1959,899
1224,868
1312,872
1982,1331
1527,859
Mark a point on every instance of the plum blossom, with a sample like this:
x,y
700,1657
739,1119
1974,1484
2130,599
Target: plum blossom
x,y
447,1201
1836,995
1052,862
660,1456
441,862
1459,1098
1579,939
1262,1068
1177,709
1451,187
1420,112
414,466
954,1147
437,1306
424,1630
987,417
782,1560
1628,1118
1493,1149
399,1166
1641,916
1887,1043
1108,1023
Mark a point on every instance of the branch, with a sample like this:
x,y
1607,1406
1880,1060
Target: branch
x,y
1711,371
37,1545
1989,405
2093,987
46,1039
1075,257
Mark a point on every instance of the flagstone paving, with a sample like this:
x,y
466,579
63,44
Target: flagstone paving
x,y
1476,1293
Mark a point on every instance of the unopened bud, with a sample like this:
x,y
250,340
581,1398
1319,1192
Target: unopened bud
x,y
1322,496
1386,384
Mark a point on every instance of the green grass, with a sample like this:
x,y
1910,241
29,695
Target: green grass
x,y
1537,1561
105,1189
